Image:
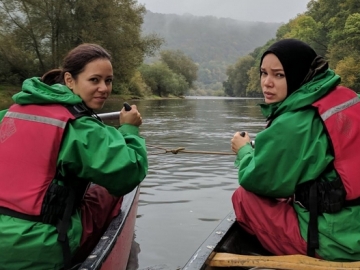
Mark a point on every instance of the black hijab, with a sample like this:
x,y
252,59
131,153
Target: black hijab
x,y
299,60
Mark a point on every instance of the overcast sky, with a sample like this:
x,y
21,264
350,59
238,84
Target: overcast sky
x,y
244,10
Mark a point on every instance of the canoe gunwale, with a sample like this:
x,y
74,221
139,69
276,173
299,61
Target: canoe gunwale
x,y
204,252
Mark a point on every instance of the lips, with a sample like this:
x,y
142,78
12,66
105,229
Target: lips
x,y
268,95
101,98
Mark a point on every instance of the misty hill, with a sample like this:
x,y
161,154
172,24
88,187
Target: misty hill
x,y
213,43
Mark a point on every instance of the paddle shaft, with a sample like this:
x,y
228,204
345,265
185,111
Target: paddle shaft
x,y
113,115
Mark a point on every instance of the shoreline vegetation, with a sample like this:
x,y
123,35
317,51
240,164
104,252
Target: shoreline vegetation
x,y
7,91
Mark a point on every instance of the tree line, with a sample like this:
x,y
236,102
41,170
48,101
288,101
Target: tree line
x,y
35,35
331,27
213,43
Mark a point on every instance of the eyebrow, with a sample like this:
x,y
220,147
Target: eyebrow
x,y
273,69
98,75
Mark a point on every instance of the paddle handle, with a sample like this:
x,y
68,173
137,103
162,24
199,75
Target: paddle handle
x,y
252,143
127,106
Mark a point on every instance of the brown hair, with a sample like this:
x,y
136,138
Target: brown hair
x,y
75,62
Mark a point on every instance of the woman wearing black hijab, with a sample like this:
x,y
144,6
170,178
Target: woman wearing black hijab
x,y
299,187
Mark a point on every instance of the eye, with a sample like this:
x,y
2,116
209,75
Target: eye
x,y
262,73
95,80
108,81
280,75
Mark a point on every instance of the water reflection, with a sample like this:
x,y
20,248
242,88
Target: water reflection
x,y
185,196
133,262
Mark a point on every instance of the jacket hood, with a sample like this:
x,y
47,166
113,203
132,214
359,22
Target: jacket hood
x,y
306,95
34,91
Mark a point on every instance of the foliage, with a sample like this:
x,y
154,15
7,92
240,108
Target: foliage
x,y
36,34
237,76
253,88
162,80
212,43
331,27
174,74
348,69
137,86
179,63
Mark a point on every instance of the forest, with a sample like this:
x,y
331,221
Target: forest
x,y
331,27
212,43
162,55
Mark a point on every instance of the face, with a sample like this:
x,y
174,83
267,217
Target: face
x,y
93,84
273,80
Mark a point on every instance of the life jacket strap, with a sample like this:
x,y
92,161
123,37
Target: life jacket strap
x,y
313,234
80,110
62,228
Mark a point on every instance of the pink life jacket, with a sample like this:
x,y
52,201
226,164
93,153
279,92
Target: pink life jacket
x,y
340,111
30,139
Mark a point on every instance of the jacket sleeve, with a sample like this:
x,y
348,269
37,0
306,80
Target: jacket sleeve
x,y
293,150
113,158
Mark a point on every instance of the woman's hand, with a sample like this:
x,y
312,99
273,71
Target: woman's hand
x,y
132,117
239,141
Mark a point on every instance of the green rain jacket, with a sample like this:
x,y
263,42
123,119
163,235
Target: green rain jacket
x,y
294,150
113,158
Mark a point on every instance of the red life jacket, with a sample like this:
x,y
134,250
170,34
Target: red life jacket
x,y
340,111
30,139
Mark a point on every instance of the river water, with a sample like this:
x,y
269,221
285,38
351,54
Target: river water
x,y
186,195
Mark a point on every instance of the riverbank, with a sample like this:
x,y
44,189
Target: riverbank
x,y
7,91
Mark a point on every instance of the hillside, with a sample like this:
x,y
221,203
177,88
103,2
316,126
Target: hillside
x,y
213,43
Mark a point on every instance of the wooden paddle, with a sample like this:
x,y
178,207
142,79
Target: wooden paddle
x,y
293,262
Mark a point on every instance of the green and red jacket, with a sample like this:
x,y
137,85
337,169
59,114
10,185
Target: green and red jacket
x,y
90,152
293,150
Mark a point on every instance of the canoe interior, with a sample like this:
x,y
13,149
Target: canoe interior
x,y
238,241
227,237
113,250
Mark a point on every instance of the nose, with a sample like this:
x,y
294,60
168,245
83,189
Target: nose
x,y
103,87
268,81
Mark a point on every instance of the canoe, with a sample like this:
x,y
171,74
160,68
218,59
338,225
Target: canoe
x,y
228,237
231,247
113,250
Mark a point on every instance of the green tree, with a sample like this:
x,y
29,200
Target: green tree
x,y
347,40
40,32
331,27
228,89
253,89
178,62
238,78
348,69
305,28
162,80
345,54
